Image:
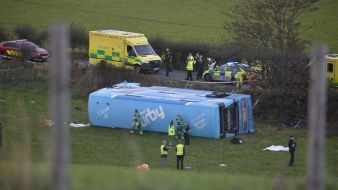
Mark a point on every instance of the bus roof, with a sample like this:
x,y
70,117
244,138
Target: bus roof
x,y
160,94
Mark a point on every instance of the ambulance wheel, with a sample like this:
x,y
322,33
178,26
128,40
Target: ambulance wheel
x,y
137,69
208,78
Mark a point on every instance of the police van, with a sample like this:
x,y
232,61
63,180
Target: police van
x,y
209,114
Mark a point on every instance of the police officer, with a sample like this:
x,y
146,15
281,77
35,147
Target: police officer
x,y
292,148
137,126
171,132
179,129
167,60
180,152
190,66
186,134
164,153
199,64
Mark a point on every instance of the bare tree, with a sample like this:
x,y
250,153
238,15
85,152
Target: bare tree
x,y
78,36
3,34
30,33
272,26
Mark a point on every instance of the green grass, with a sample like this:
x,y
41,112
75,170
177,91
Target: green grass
x,y
190,20
103,158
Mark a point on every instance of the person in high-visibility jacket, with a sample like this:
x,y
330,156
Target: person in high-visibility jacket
x,y
180,152
239,78
171,132
164,153
137,126
190,66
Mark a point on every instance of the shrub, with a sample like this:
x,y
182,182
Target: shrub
x,y
78,37
30,33
3,34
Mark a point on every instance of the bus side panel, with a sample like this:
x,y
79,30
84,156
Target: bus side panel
x,y
114,112
99,111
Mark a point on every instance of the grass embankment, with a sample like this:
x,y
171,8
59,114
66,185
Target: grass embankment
x,y
198,20
104,158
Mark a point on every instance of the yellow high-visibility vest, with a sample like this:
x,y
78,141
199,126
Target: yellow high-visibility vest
x,y
190,63
163,152
171,130
179,149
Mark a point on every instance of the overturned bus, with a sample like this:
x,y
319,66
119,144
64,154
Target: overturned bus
x,y
208,114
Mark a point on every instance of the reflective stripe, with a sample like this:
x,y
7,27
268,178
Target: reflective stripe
x,y
102,54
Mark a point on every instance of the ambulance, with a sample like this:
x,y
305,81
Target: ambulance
x,y
122,48
332,70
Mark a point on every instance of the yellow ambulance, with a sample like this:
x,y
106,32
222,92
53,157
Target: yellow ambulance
x,y
123,49
332,70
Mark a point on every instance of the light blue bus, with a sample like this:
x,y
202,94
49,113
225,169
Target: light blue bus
x,y
209,114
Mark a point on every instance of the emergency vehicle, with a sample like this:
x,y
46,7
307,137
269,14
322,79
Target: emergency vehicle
x,y
123,49
23,49
227,72
332,70
208,114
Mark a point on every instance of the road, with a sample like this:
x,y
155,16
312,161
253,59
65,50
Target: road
x,y
176,74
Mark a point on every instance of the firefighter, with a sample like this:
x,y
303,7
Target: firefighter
x,y
167,60
171,132
239,78
164,153
137,126
180,152
179,129
190,66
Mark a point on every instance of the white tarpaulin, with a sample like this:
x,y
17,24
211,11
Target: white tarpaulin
x,y
78,125
276,148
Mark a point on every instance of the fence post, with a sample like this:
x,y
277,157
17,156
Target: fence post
x,y
58,103
317,119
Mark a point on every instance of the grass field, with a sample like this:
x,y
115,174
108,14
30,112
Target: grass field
x,y
103,158
190,20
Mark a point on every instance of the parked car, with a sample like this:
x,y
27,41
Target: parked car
x,y
23,49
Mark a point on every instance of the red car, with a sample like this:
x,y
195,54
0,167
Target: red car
x,y
23,49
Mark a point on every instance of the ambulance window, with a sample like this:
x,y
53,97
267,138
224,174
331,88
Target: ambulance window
x,y
330,67
130,51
